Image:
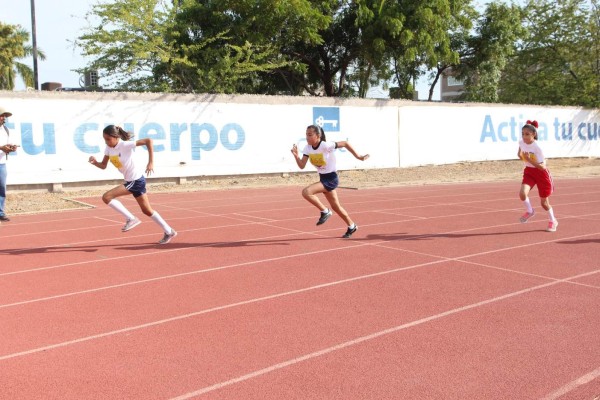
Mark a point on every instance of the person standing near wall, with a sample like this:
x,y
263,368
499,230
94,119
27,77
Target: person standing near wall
x,y
6,147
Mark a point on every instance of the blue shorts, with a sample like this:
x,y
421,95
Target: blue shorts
x,y
137,187
330,181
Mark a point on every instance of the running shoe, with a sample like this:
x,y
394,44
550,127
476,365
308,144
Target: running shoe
x,y
552,226
130,224
324,217
526,217
167,237
350,231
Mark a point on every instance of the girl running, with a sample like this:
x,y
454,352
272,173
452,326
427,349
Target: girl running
x,y
119,151
535,173
322,155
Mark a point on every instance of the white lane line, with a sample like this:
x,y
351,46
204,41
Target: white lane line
x,y
19,251
358,340
293,292
569,387
142,254
201,312
195,272
294,232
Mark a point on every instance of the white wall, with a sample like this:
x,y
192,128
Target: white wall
x,y
449,133
197,135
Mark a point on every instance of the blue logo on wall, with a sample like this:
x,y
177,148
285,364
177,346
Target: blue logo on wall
x,y
327,118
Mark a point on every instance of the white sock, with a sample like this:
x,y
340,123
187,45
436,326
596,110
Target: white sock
x,y
325,211
160,221
118,206
528,205
551,214
352,226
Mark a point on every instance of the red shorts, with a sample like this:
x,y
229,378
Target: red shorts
x,y
541,177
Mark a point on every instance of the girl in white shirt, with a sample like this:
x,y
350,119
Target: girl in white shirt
x,y
535,173
322,155
119,151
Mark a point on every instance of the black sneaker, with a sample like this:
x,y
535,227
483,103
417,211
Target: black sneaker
x,y
4,218
324,217
350,231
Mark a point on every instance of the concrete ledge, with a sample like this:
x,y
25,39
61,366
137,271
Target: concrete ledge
x,y
56,188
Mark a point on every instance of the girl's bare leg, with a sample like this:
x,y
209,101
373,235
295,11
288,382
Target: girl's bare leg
x,y
545,202
310,193
144,204
524,192
115,192
332,197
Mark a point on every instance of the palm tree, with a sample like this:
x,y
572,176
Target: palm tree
x,y
13,40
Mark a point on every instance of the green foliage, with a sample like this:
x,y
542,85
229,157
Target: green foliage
x,y
328,47
236,46
13,39
432,37
126,41
558,61
488,51
196,46
545,53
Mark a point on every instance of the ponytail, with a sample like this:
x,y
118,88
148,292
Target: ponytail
x,y
117,131
323,138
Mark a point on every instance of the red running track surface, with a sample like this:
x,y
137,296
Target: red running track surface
x,y
440,294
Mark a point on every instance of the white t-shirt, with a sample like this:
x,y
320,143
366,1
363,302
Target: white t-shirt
x,y
122,157
535,152
323,157
3,141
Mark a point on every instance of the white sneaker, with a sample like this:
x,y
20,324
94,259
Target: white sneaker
x,y
130,224
552,226
526,217
167,237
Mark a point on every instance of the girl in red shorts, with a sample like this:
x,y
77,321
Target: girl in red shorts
x,y
535,173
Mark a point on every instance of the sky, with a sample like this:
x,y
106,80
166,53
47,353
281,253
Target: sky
x,y
60,22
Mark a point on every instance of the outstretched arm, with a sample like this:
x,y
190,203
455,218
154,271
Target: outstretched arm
x,y
351,150
148,143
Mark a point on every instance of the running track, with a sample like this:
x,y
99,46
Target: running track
x,y
440,294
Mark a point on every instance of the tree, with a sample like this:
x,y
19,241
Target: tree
x,y
558,61
13,39
488,52
437,47
190,46
242,46
126,42
367,38
325,62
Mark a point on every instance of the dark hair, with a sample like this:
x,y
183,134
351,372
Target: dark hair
x,y
320,132
117,131
532,126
